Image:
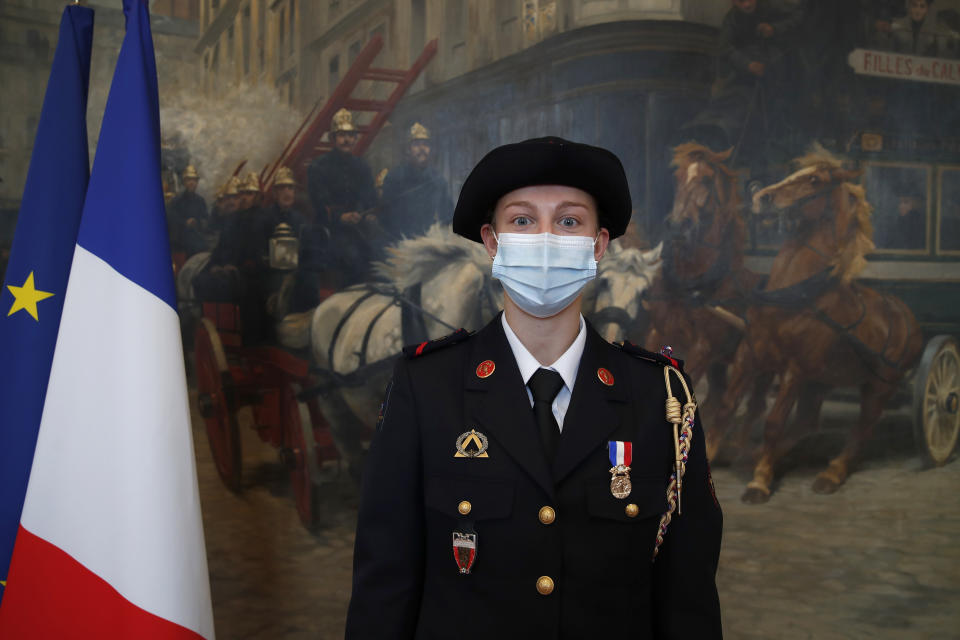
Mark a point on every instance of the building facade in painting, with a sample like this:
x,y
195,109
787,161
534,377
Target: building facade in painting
x,y
637,76
594,70
304,48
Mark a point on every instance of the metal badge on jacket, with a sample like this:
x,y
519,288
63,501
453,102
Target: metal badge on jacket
x,y
472,444
621,456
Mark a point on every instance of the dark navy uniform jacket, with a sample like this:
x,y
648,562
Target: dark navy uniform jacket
x,y
182,208
340,182
276,215
406,580
413,200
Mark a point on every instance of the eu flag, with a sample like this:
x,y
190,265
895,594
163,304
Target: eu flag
x,y
32,297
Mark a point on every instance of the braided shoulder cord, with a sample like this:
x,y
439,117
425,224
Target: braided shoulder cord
x,y
682,439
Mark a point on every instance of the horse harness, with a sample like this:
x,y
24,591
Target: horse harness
x,y
397,298
697,291
804,294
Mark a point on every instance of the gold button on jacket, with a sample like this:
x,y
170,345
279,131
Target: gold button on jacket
x,y
547,515
464,507
545,585
631,510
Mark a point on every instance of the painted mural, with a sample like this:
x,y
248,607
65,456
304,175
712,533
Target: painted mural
x,y
795,169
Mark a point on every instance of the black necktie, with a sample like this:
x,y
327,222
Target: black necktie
x,y
544,386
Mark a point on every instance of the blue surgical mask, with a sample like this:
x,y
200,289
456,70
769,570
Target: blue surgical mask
x,y
543,273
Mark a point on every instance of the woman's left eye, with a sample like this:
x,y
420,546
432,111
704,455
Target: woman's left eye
x,y
568,222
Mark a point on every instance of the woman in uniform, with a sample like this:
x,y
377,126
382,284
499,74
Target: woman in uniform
x,y
523,480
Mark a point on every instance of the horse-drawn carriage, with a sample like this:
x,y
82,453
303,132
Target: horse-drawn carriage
x,y
808,317
314,390
270,380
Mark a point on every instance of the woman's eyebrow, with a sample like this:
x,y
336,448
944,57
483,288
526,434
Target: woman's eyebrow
x,y
569,203
519,203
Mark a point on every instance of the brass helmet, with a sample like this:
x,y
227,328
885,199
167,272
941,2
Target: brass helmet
x,y
230,188
342,121
418,132
284,178
190,172
250,184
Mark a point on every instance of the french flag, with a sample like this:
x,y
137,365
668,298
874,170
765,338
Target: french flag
x,y
110,543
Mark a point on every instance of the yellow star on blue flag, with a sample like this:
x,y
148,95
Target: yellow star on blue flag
x,y
43,247
27,297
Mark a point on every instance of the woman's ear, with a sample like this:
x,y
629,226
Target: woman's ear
x,y
601,244
489,240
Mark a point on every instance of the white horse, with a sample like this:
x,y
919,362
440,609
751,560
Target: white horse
x,y
454,276
622,277
355,334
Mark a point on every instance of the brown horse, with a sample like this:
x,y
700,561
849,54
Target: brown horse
x,y
814,325
696,302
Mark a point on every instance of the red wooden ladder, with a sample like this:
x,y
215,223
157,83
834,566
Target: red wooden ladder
x,y
307,142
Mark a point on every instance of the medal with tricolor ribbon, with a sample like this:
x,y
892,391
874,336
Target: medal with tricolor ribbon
x,y
621,456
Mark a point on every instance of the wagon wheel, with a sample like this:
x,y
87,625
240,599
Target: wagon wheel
x,y
936,400
217,402
301,455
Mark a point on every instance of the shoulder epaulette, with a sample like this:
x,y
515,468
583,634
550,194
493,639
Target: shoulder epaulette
x,y
639,352
417,350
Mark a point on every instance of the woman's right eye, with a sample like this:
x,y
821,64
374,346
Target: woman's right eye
x,y
521,221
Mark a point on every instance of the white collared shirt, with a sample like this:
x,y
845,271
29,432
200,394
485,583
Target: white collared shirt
x,y
566,365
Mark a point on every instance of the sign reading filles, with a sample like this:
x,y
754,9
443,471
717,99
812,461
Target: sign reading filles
x,y
885,64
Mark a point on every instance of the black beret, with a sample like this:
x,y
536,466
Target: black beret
x,y
543,161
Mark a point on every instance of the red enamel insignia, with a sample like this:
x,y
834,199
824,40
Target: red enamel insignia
x,y
464,550
605,376
485,369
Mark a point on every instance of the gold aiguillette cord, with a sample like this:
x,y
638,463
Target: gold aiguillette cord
x,y
681,418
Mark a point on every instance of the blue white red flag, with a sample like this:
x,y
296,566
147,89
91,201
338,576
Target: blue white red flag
x,y
32,295
110,543
621,453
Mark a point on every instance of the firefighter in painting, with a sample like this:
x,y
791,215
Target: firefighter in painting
x,y
238,267
284,208
187,215
344,197
415,195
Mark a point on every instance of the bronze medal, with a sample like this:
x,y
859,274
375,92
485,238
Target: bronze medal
x,y
620,485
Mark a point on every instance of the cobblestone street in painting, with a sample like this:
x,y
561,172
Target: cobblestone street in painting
x,y
879,559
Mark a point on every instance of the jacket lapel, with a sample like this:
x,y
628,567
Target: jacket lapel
x,y
594,411
498,403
